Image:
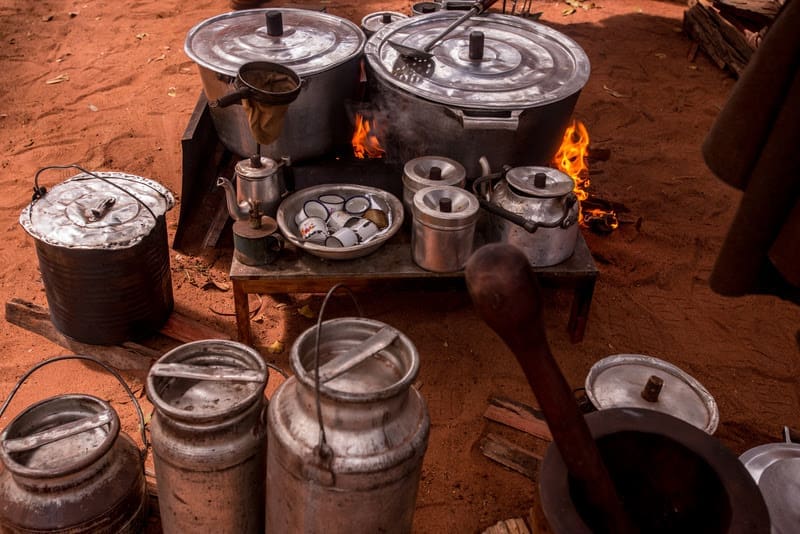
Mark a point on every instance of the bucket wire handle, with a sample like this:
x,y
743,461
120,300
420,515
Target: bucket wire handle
x,y
40,191
116,375
323,449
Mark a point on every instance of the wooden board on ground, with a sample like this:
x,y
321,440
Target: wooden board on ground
x,y
519,416
510,455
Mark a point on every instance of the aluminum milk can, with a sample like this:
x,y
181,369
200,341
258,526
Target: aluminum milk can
x,y
209,438
67,468
348,458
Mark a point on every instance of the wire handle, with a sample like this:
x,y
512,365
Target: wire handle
x,y
116,375
323,449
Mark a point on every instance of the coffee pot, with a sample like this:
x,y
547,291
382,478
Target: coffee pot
x,y
261,184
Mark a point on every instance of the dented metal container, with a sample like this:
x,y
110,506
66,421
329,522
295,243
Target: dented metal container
x,y
209,438
101,240
346,457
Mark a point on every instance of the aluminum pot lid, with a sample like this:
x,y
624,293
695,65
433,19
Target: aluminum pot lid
x,y
525,64
58,436
759,458
780,487
102,210
248,169
373,22
207,380
462,206
418,171
618,381
553,184
311,42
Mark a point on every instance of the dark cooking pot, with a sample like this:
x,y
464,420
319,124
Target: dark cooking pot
x,y
497,85
324,50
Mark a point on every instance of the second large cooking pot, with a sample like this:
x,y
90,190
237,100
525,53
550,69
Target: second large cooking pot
x,y
497,85
323,49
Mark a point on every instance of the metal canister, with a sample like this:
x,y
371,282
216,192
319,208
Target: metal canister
x,y
69,469
372,22
208,436
101,240
428,171
443,231
346,456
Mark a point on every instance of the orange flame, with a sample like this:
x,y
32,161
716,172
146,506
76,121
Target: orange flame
x,y
571,159
365,142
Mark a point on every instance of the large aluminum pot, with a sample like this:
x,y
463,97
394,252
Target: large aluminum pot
x,y
347,457
498,85
323,49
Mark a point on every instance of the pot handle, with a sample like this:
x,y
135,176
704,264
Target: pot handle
x,y
487,120
231,98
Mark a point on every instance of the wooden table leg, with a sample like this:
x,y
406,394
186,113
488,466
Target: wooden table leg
x,y
241,303
581,302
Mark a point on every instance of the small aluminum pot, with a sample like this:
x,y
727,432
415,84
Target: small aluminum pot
x,y
375,21
323,49
444,228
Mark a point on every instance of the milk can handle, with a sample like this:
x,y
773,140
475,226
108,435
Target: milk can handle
x,y
119,378
323,450
40,191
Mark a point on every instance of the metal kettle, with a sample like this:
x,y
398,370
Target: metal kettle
x,y
261,184
533,208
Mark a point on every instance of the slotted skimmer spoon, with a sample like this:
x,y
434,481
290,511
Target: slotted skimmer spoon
x,y
421,54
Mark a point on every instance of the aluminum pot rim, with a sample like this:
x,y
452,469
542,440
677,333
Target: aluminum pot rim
x,y
306,377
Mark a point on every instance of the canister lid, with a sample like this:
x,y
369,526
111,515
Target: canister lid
x,y
553,184
417,172
360,359
207,380
58,436
256,167
759,458
463,206
309,42
780,487
103,210
524,63
375,21
618,381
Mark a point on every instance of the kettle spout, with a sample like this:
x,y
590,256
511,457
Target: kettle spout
x,y
237,212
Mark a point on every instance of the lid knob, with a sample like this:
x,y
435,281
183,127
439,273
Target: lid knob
x,y
652,389
446,205
540,180
435,173
386,18
274,23
476,45
255,161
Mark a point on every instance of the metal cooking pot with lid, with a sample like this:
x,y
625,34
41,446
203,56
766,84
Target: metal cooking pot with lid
x,y
323,49
512,95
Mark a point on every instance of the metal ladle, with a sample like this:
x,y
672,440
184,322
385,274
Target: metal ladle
x,y
409,52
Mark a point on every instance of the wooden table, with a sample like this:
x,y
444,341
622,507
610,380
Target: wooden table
x,y
298,272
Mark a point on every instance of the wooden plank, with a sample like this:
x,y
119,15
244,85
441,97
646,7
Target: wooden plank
x,y
185,329
131,357
510,455
518,416
516,525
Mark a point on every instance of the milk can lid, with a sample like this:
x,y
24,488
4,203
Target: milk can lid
x,y
780,487
59,436
206,380
618,381
310,42
102,210
462,207
524,63
417,172
759,458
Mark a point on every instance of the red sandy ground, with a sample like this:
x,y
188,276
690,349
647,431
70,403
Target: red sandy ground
x,y
131,90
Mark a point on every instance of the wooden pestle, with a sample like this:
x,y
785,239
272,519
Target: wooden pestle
x,y
505,293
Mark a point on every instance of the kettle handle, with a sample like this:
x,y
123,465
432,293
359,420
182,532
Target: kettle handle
x,y
116,375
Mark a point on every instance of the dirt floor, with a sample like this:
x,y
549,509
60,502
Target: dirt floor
x,y
107,85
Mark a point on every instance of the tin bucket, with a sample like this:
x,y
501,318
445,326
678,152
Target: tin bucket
x,y
348,432
101,241
68,468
